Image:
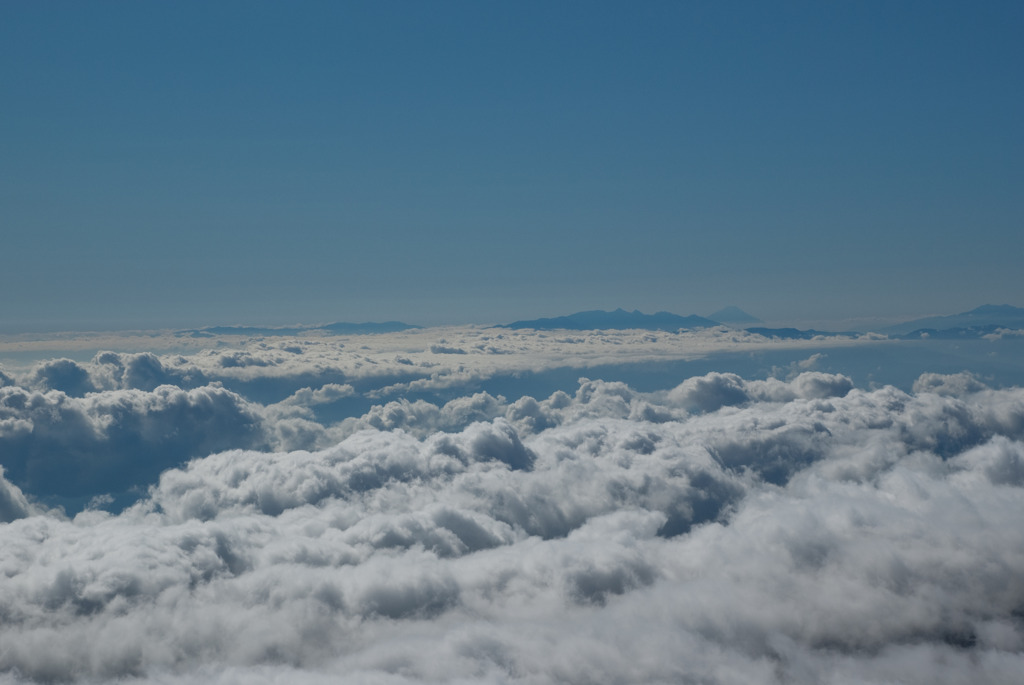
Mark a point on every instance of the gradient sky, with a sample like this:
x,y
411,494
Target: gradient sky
x,y
192,163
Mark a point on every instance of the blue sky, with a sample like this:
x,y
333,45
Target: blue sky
x,y
249,162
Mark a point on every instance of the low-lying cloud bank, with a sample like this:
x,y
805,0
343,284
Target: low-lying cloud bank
x,y
268,369
73,430
725,531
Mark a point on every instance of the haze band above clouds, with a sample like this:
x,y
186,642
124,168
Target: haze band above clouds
x,y
727,530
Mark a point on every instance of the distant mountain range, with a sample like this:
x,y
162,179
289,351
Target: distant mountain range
x,y
976,323
980,321
620,319
973,324
340,328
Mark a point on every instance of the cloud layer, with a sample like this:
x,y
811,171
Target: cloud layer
x,y
727,530
72,430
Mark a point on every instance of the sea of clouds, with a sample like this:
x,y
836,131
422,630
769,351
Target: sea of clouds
x,y
724,529
72,430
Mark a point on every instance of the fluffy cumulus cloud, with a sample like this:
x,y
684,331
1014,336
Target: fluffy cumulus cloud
x,y
57,444
725,531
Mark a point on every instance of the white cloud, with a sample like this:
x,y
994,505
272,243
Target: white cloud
x,y
13,503
948,384
327,393
726,531
110,441
64,375
434,357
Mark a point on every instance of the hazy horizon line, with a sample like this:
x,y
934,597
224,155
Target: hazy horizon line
x,y
858,323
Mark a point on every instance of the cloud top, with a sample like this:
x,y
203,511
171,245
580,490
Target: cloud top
x,y
763,531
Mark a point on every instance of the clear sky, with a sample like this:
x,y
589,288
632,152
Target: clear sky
x,y
189,163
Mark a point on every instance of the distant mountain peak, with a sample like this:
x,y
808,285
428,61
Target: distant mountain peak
x,y
987,315
733,314
995,310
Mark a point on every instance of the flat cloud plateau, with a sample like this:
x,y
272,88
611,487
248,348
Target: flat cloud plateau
x,y
790,528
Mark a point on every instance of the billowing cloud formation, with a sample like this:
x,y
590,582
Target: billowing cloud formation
x,y
64,375
75,446
725,531
75,430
